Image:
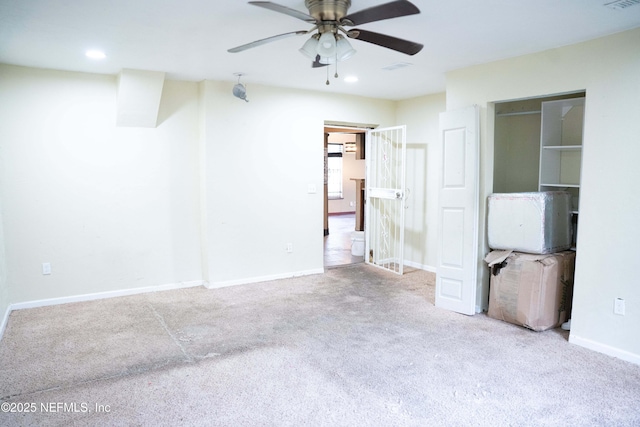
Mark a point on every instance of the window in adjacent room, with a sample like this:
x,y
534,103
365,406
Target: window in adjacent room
x,y
334,165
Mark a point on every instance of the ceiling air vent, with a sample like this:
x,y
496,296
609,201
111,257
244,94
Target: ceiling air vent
x,y
398,65
622,4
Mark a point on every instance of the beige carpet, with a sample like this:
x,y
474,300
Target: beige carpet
x,y
353,347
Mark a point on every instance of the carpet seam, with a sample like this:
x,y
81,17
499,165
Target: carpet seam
x,y
158,316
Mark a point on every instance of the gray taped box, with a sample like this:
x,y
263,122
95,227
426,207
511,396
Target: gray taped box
x,y
536,222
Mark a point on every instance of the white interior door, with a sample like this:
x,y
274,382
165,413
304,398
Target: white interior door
x,y
385,193
456,275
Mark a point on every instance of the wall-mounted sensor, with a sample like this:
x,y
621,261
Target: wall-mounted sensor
x,y
239,91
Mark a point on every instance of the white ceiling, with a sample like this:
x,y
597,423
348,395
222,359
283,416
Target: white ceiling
x,y
188,39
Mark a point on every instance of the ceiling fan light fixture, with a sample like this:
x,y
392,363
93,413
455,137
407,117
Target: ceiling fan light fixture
x,y
344,50
325,60
326,45
309,47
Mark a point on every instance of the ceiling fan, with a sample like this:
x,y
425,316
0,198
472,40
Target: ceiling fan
x,y
329,17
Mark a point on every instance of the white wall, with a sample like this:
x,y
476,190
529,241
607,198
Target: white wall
x,y
421,115
110,208
213,193
608,68
260,158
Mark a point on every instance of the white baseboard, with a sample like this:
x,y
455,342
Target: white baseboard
x,y
248,280
420,266
605,349
103,295
92,297
147,289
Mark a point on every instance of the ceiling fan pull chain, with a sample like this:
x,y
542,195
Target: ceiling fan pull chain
x,y
328,77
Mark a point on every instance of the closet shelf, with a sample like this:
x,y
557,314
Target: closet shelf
x,y
560,185
562,147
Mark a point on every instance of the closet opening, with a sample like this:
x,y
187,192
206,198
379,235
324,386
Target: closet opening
x,y
537,148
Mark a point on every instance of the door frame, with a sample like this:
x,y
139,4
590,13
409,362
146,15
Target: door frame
x,y
329,127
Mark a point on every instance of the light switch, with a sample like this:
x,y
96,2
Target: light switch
x,y
46,268
311,189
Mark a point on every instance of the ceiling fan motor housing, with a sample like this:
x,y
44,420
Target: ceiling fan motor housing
x,y
328,10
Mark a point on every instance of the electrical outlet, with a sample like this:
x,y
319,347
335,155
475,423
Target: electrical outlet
x,y
46,268
289,247
618,306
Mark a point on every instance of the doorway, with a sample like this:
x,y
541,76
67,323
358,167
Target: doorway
x,y
344,192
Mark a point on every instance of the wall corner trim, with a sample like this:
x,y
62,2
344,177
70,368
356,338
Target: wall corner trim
x,y
5,320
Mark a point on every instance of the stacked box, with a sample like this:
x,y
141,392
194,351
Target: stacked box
x,y
537,222
533,291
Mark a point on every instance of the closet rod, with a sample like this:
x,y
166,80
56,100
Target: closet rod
x,y
518,113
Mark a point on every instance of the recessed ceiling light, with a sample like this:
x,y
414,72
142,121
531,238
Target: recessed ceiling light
x,y
351,79
95,54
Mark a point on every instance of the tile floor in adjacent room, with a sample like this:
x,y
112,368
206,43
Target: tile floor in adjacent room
x,y
337,245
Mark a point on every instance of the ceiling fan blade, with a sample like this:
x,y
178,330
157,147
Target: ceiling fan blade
x,y
404,46
316,63
265,41
284,9
389,10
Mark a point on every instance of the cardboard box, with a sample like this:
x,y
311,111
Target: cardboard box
x,y
537,222
533,291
